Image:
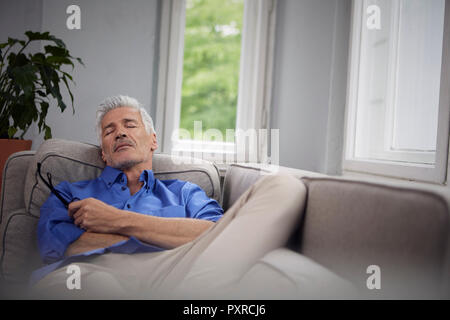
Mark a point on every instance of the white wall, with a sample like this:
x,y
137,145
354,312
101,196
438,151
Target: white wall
x,y
117,43
310,82
18,16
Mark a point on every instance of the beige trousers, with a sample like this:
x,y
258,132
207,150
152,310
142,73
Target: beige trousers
x,y
261,220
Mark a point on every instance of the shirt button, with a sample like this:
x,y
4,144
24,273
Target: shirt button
x,y
128,206
124,188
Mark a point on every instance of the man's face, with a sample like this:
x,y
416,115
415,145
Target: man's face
x,y
125,142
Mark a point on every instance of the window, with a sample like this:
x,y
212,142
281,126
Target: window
x,y
215,66
212,48
398,101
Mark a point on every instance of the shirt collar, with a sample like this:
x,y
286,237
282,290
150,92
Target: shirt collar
x,y
112,175
148,178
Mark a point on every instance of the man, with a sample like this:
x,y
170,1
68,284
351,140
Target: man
x,y
126,200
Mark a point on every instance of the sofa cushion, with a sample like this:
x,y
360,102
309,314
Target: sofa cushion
x,y
238,179
285,274
351,225
74,161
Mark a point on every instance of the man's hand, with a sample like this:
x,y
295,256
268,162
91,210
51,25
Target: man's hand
x,y
95,216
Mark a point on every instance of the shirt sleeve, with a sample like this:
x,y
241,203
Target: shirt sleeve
x,y
200,206
56,230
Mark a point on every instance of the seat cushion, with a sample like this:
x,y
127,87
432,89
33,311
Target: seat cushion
x,y
285,274
74,161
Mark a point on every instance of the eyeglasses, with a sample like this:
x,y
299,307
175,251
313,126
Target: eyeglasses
x,y
49,184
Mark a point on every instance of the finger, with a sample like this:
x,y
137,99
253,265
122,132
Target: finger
x,y
78,221
74,206
77,215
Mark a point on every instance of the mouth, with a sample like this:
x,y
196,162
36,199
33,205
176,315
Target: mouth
x,y
122,146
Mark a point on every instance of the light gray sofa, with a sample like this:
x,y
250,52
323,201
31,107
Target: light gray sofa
x,y
347,227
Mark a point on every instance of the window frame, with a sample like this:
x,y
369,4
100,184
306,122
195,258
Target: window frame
x,y
255,80
436,173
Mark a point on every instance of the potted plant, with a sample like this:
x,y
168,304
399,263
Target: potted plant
x,y
28,84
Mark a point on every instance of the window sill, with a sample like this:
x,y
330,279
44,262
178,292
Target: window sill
x,y
398,170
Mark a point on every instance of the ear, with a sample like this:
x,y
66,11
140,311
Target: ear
x,y
154,143
103,156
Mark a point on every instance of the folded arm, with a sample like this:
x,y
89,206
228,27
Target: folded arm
x,y
106,225
91,240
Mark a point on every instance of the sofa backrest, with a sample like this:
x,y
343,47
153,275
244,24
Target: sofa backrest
x,y
352,226
241,176
74,161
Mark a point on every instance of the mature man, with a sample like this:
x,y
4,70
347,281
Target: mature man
x,y
178,250
126,200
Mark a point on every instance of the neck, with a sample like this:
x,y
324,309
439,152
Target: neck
x,y
133,174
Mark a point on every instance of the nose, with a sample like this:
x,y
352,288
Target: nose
x,y
120,135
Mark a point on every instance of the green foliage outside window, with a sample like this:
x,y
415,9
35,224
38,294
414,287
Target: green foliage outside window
x,y
212,47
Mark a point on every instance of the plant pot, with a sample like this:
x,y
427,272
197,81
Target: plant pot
x,y
7,148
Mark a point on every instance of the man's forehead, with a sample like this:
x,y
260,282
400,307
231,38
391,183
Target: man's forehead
x,y
121,114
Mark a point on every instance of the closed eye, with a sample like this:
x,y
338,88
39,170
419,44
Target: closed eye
x,y
108,130
130,123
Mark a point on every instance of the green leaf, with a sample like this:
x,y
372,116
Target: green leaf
x,y
67,75
59,60
59,42
43,114
61,103
24,77
37,35
70,93
56,51
37,58
11,132
12,41
45,74
44,36
48,133
80,61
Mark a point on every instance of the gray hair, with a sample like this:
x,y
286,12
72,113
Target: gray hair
x,y
115,102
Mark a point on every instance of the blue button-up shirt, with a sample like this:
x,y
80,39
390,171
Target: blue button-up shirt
x,y
161,198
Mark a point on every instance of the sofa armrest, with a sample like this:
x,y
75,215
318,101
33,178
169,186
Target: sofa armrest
x,y
19,254
351,225
12,195
14,173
